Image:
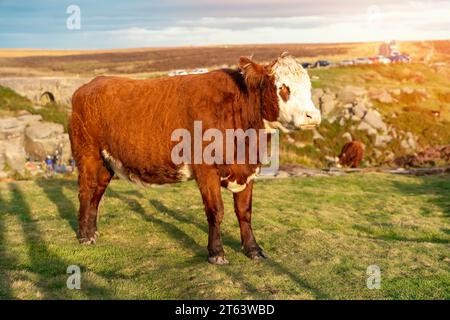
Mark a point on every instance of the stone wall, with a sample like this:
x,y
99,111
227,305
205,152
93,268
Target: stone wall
x,y
61,88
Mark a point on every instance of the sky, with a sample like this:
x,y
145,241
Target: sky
x,y
108,24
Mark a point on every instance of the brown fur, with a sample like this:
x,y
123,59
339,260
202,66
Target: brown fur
x,y
133,121
352,154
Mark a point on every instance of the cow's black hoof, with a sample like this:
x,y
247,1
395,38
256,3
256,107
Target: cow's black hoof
x,y
256,255
89,240
220,260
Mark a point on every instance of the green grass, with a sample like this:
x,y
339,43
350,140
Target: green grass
x,y
320,235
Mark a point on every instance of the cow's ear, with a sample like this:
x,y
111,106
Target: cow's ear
x,y
253,73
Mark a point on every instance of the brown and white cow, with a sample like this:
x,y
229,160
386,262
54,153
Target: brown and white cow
x,y
351,154
123,126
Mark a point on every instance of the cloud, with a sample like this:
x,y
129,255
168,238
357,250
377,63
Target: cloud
x,y
200,22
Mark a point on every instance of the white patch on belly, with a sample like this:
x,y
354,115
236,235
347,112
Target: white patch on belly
x,y
115,165
118,169
185,172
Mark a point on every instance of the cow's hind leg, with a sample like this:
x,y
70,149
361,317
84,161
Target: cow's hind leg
x,y
209,185
93,179
243,209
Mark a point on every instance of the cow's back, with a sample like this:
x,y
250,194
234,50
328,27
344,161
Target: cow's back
x,y
132,120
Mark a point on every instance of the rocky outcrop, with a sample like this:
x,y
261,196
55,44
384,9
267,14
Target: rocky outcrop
x,y
27,137
43,139
429,156
356,105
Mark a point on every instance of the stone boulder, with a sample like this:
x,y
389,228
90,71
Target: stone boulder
x,y
327,103
364,126
45,138
409,142
380,95
347,136
374,119
11,129
28,119
382,140
14,157
350,94
316,94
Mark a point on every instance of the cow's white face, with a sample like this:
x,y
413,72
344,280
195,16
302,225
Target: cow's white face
x,y
296,109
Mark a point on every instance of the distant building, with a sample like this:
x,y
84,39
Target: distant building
x,y
389,48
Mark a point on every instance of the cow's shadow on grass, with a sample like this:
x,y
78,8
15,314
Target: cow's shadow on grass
x,y
45,264
187,242
54,190
6,261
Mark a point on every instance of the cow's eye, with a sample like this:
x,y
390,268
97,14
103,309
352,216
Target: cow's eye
x,y
284,92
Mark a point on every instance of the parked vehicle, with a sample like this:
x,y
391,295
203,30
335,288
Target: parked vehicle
x,y
322,63
402,58
363,61
199,71
307,65
180,72
346,63
380,59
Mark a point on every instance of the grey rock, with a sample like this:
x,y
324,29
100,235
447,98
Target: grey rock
x,y
382,140
15,157
385,98
360,110
349,94
327,103
29,118
317,135
347,136
44,138
373,118
42,130
408,90
12,130
364,126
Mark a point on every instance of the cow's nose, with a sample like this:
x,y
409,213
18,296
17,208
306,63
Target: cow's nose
x,y
313,117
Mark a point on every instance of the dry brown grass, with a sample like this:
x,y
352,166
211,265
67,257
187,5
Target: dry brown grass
x,y
149,60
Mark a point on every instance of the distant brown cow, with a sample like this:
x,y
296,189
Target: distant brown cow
x,y
352,154
124,126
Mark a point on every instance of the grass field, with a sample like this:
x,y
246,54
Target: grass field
x,y
320,235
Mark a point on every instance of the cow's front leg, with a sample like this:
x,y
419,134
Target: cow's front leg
x,y
209,185
243,209
93,179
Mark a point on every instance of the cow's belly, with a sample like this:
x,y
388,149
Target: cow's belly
x,y
166,174
161,174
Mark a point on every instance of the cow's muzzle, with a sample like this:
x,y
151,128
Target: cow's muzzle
x,y
309,120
